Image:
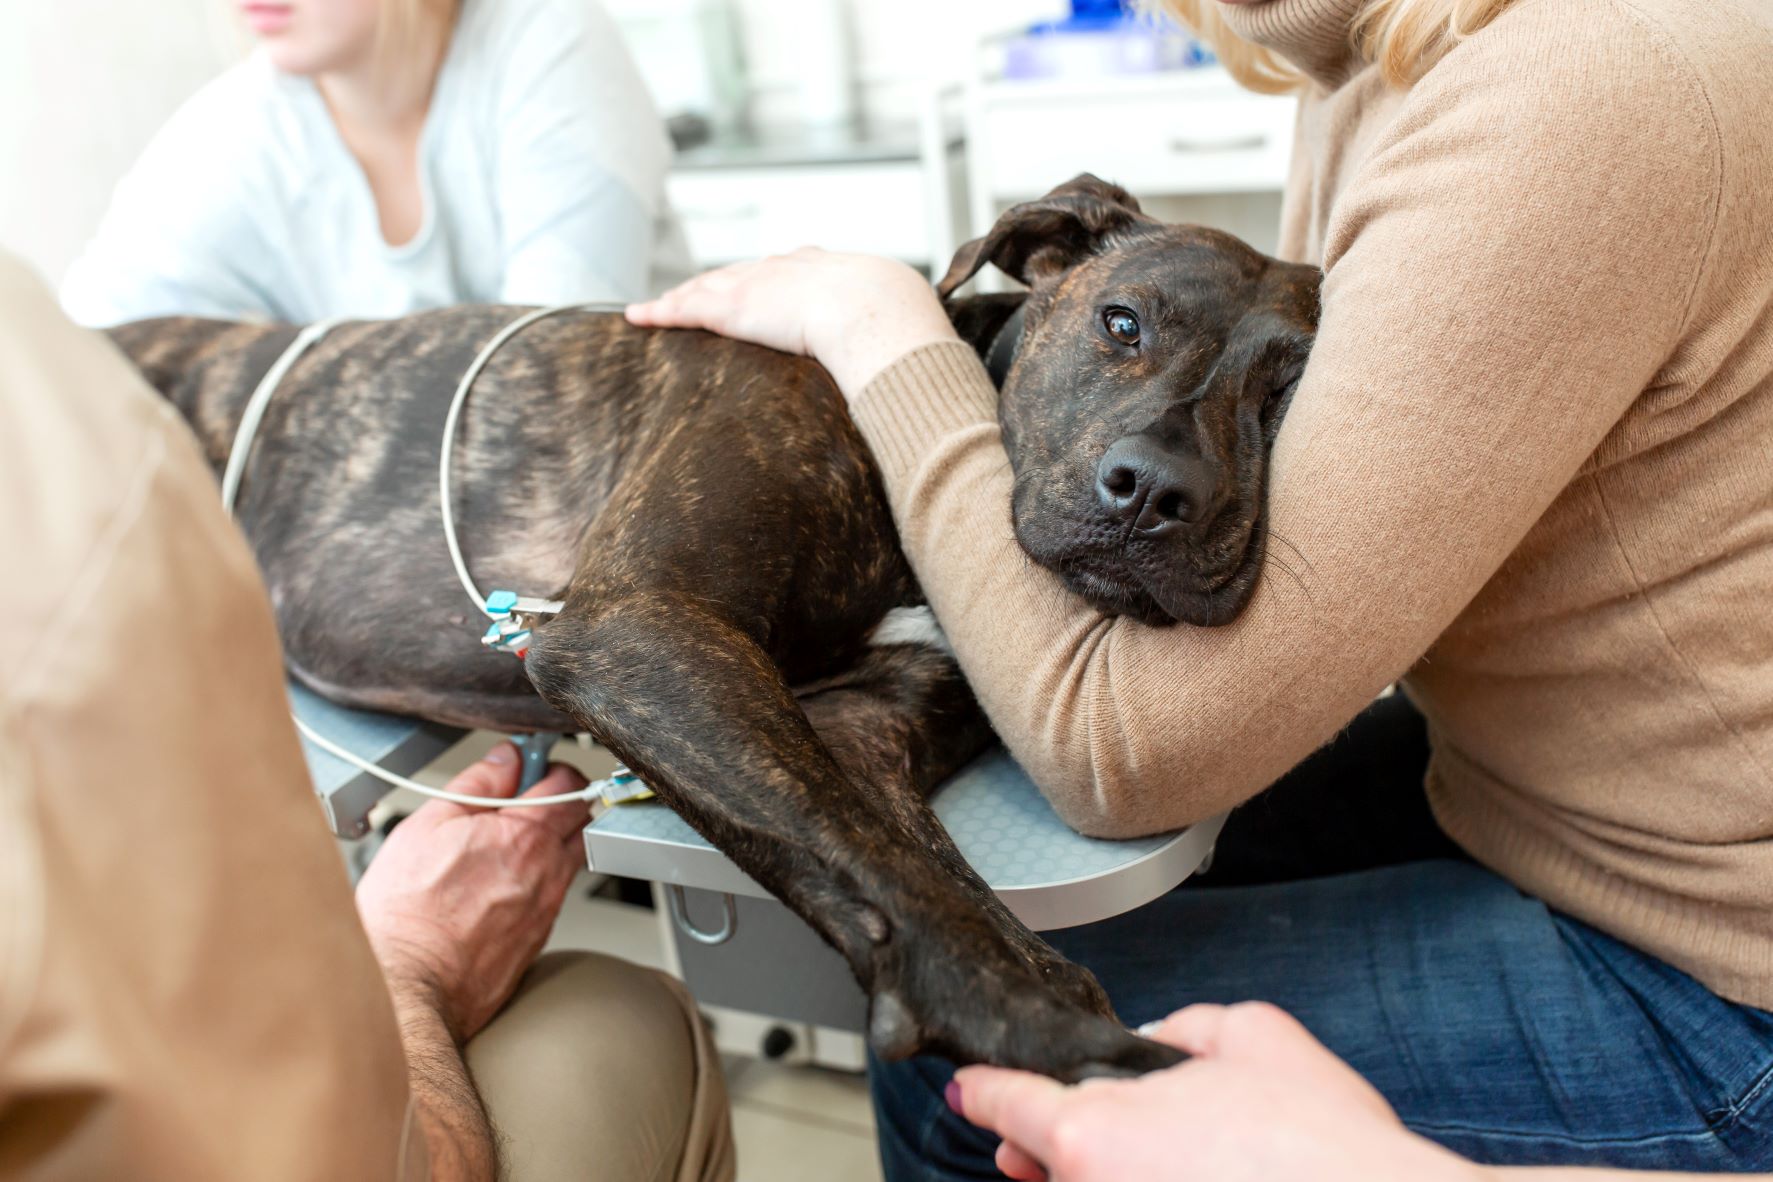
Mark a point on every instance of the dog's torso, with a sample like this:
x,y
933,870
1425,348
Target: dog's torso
x,y
590,456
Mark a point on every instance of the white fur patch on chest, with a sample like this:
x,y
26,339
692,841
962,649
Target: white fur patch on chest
x,y
910,625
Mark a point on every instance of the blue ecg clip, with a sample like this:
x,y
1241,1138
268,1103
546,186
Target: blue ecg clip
x,y
512,629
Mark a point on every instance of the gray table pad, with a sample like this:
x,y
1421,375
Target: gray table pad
x,y
1047,873
402,745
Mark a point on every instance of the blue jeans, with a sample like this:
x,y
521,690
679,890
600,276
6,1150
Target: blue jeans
x,y
1493,1024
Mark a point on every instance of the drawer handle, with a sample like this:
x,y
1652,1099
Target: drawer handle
x,y
1236,143
680,915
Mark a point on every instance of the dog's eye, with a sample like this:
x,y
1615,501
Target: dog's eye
x,y
1122,325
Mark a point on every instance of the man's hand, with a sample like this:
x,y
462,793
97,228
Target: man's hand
x,y
459,901
457,904
1262,1099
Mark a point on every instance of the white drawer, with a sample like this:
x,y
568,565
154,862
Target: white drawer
x,y
741,213
1216,142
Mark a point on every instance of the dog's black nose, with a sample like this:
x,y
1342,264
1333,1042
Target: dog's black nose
x,y
1142,481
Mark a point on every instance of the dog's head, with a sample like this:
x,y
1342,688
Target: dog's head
x,y
1154,366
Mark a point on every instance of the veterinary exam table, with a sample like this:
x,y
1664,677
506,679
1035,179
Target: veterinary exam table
x,y
739,949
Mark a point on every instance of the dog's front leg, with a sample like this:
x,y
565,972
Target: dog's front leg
x,y
694,705
900,721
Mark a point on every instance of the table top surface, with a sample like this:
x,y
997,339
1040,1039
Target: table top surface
x,y
1045,871
402,745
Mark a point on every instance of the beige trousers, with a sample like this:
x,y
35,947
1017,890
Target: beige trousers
x,y
599,1069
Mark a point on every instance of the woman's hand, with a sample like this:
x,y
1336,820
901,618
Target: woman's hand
x,y
1261,1099
853,313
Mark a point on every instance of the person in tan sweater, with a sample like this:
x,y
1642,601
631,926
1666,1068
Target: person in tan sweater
x,y
1526,473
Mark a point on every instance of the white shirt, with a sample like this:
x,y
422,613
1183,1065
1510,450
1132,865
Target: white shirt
x,y
542,165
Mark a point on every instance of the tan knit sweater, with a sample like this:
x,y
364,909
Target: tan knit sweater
x,y
1530,467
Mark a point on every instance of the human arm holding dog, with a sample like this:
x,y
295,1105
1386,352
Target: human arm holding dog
x,y
1259,1098
806,303
457,905
1424,397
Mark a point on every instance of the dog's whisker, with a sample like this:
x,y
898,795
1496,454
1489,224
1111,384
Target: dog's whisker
x,y
1291,573
1289,545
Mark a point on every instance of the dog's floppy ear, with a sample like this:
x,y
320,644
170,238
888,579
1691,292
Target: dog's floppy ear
x,y
1043,237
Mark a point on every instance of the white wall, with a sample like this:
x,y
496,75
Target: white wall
x,y
901,46
83,84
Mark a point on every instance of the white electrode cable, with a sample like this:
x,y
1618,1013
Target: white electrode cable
x,y
256,404
449,432
589,792
232,474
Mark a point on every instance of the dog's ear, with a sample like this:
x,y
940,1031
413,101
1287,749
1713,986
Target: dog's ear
x,y
1040,238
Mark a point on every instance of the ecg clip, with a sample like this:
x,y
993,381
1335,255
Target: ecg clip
x,y
513,620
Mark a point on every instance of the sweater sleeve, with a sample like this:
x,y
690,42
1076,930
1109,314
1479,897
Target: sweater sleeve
x,y
1508,271
581,164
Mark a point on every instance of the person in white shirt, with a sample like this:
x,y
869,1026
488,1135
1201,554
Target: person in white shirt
x,y
378,157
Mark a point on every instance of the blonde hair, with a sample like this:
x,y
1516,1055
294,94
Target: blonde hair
x,y
401,23
1405,38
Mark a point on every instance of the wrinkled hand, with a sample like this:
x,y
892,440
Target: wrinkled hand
x,y
853,313
459,901
1261,1100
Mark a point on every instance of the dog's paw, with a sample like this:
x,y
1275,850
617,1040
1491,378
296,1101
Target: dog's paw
x,y
1071,981
1054,1019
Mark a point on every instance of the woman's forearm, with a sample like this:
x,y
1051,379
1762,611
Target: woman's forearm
x,y
1133,729
1435,425
1128,728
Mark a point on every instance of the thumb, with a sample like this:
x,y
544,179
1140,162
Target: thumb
x,y
1195,1029
1258,1033
496,774
1249,1029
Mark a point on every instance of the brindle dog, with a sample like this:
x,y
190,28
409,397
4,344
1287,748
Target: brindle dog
x,y
720,537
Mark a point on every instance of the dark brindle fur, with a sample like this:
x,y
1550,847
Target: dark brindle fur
x,y
720,536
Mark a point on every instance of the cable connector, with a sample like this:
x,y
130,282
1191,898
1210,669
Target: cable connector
x,y
621,787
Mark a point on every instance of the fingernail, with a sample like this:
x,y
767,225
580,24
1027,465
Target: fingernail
x,y
504,755
951,1093
1150,1028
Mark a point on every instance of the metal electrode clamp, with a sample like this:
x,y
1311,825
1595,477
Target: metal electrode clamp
x,y
513,621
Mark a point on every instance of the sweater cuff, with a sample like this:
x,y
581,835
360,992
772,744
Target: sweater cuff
x,y
926,395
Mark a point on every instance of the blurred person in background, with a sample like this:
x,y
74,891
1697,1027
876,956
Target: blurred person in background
x,y
375,158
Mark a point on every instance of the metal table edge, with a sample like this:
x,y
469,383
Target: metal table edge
x,y
1044,907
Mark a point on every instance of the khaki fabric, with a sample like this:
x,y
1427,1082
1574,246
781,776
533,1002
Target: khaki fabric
x,y
185,992
598,1069
1526,470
